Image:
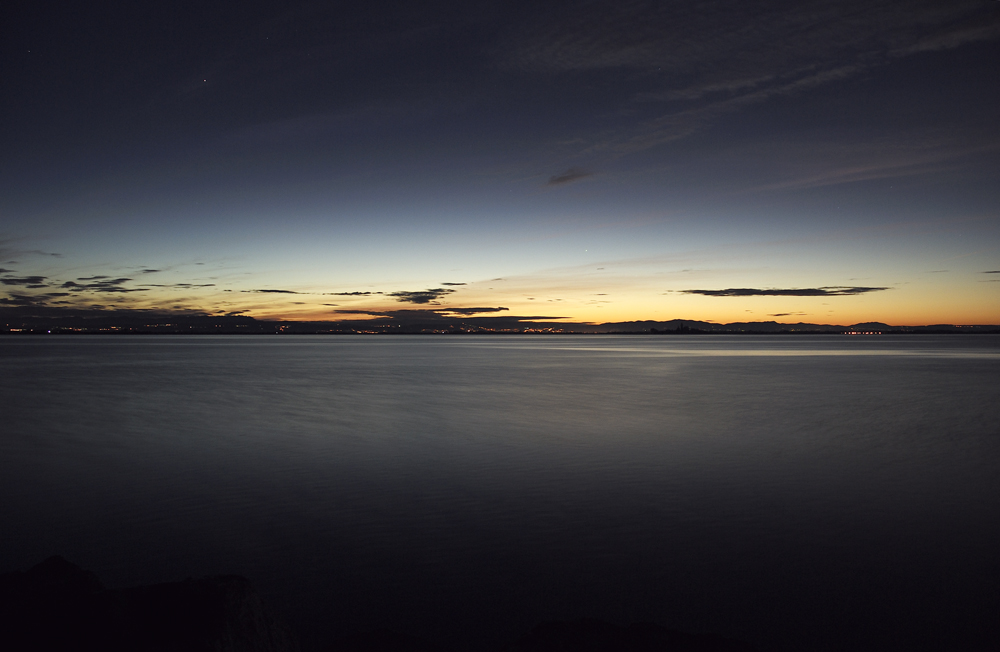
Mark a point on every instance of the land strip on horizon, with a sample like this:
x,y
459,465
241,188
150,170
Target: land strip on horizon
x,y
422,322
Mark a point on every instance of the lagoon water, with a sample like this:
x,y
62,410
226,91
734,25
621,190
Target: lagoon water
x,y
800,493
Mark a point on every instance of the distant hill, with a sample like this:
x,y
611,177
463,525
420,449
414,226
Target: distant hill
x,y
23,319
684,326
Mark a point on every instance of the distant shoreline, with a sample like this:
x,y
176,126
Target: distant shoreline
x,y
62,321
899,330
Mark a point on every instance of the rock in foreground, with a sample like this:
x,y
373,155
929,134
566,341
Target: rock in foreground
x,y
58,606
590,635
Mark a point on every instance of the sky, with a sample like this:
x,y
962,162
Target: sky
x,y
723,161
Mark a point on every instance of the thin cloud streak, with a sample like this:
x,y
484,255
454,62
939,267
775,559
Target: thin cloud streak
x,y
569,176
735,54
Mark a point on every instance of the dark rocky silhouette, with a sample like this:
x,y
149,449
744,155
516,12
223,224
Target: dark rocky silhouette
x,y
58,606
590,635
383,640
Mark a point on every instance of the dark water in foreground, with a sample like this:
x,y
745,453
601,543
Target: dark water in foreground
x,y
801,493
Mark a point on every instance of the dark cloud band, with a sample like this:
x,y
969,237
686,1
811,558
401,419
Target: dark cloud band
x,y
789,292
24,280
471,311
420,296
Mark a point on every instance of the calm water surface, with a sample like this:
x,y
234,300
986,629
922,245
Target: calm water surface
x,y
801,493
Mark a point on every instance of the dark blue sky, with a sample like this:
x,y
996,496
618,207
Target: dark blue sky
x,y
611,161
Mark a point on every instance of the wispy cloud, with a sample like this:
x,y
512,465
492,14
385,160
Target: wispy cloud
x,y
855,162
569,176
272,291
182,286
701,60
100,284
9,248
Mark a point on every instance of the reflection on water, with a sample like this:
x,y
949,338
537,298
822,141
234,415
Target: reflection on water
x,y
821,493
